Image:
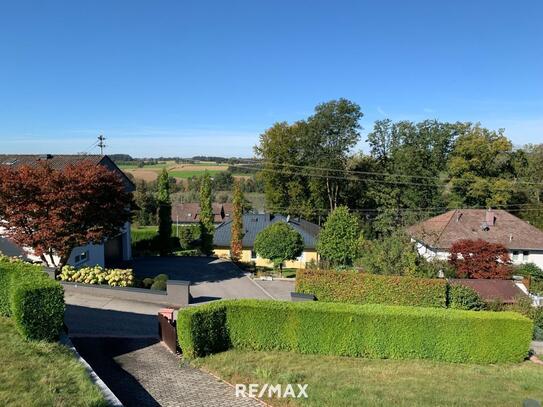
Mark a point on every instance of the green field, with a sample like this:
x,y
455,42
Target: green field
x,y
41,374
191,173
342,381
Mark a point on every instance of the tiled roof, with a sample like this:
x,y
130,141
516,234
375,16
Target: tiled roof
x,y
58,161
189,212
494,226
254,223
61,161
504,290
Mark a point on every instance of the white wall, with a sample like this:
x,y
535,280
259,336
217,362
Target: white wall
x,y
534,256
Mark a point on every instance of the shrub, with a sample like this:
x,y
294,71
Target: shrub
x,y
147,282
161,277
98,275
159,285
374,331
361,288
32,299
462,297
529,269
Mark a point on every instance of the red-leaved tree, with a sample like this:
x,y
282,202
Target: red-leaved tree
x,y
53,211
480,259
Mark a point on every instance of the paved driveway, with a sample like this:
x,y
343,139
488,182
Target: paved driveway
x,y
210,278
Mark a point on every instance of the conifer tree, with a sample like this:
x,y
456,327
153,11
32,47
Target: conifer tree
x,y
236,246
164,213
206,215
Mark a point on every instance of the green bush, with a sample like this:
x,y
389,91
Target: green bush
x,y
33,300
159,285
98,275
147,282
373,331
361,288
161,277
462,297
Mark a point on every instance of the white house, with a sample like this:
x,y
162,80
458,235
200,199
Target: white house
x,y
435,236
113,250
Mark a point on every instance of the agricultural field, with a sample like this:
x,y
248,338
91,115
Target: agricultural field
x,y
150,172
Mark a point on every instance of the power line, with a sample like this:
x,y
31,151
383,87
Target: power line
x,y
373,173
287,172
101,143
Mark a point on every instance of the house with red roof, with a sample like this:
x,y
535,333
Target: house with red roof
x,y
435,236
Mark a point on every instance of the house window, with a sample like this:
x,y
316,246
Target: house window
x,y
254,256
525,255
82,257
515,255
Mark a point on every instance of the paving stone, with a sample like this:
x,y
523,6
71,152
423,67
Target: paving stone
x,y
143,372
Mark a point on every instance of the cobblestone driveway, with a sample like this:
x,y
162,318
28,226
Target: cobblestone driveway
x,y
142,372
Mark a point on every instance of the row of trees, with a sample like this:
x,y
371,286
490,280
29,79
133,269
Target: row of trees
x,y
411,171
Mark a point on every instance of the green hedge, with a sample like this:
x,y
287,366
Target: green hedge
x,y
373,331
361,288
33,300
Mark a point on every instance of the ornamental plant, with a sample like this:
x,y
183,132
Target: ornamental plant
x,y
52,211
480,259
98,275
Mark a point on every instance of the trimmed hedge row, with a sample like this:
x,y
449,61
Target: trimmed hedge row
x,y
373,331
361,288
33,300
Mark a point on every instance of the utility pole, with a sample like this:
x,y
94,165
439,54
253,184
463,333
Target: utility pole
x,y
101,143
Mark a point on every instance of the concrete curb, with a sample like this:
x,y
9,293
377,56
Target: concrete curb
x,y
111,399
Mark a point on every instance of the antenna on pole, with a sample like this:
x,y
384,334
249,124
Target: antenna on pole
x,y
101,143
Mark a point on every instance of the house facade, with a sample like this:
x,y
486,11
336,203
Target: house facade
x,y
252,225
113,250
435,236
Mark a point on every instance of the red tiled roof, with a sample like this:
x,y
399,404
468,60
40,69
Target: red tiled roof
x,y
189,212
488,290
495,226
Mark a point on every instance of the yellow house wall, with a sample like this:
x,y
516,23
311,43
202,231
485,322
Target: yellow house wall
x,y
307,256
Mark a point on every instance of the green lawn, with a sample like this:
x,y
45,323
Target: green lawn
x,y
41,374
341,381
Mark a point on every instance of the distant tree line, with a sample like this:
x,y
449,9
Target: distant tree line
x,y
411,171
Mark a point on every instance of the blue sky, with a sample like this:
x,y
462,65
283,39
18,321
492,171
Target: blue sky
x,y
207,77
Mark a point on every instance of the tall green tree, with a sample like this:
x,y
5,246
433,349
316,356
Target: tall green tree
x,y
146,202
206,214
481,169
164,213
236,245
303,168
338,239
278,243
334,131
409,159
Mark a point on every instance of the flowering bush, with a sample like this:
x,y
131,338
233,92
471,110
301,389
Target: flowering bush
x,y
98,275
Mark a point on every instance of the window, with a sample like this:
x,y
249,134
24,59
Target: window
x,y
515,255
525,255
254,256
82,257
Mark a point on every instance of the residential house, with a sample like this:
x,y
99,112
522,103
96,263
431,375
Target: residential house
x,y
113,250
189,213
435,236
252,225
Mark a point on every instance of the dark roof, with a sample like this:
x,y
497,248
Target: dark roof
x,y
254,223
503,290
8,248
494,226
190,212
61,161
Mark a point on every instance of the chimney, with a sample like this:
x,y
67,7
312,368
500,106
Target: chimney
x,y
490,217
